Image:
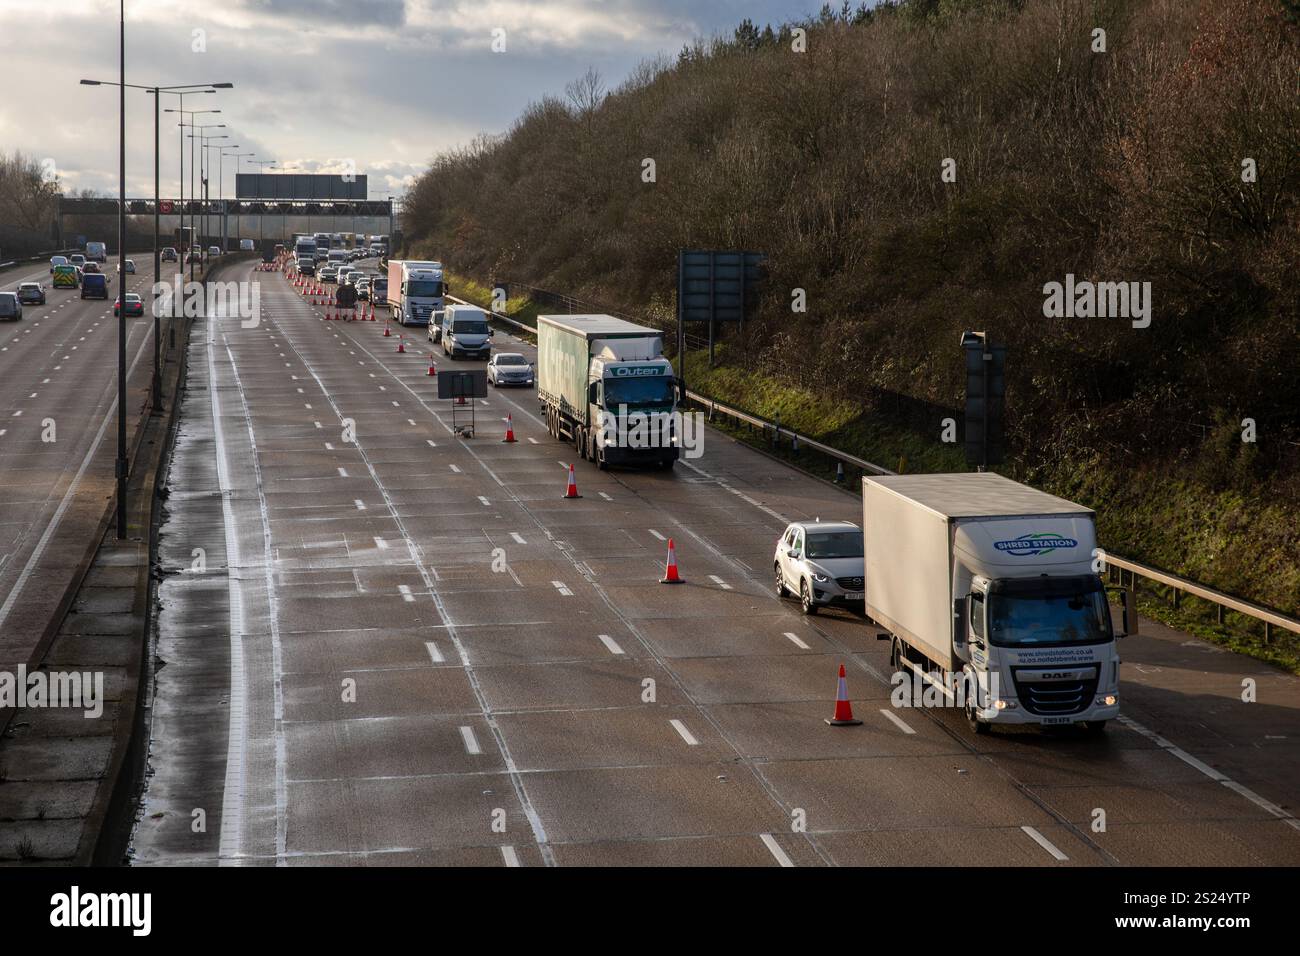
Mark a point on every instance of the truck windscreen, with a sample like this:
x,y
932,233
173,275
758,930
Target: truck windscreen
x,y
638,392
1082,617
424,287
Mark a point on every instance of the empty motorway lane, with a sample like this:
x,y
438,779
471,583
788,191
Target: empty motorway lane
x,y
380,643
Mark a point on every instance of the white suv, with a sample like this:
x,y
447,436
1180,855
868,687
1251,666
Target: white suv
x,y
820,562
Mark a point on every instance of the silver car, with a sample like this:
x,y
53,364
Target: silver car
x,y
509,368
820,562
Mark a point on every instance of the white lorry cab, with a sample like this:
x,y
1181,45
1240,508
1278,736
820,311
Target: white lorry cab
x,y
991,596
416,290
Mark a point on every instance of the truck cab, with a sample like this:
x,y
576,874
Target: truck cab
x,y
1037,642
415,290
632,403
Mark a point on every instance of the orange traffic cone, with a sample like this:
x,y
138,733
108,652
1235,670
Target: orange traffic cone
x,y
433,369
510,429
327,314
572,490
460,400
401,344
387,334
843,709
670,572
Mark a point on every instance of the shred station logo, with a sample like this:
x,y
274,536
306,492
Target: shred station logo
x,y
1028,545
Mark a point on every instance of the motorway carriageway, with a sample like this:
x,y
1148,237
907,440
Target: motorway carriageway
x,y
410,649
59,363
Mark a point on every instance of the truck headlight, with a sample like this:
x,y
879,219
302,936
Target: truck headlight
x,y
1110,700
1004,705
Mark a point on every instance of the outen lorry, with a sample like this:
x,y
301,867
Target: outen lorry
x,y
415,290
989,593
606,387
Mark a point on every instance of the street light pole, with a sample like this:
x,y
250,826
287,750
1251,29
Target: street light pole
x,y
120,466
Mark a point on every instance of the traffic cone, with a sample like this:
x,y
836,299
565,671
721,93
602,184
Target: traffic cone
x,y
387,334
510,430
843,709
401,344
670,572
460,399
433,369
572,490
327,313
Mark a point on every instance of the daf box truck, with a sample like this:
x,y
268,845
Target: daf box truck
x,y
989,593
415,290
606,387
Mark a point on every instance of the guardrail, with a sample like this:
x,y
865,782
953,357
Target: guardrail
x,y
1180,586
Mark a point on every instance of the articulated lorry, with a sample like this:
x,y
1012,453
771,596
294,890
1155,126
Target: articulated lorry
x,y
415,290
606,387
988,592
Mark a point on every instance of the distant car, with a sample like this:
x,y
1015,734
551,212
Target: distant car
x,y
11,308
194,257
363,289
31,293
130,267
134,305
169,254
510,368
57,261
306,267
214,251
821,563
77,259
90,266
328,274
94,285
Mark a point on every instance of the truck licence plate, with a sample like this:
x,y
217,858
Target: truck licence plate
x,y
855,595
1058,720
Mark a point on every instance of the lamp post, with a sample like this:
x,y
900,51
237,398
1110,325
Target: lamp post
x,y
205,166
239,159
156,92
183,126
192,138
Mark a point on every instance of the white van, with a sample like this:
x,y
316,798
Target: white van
x,y
465,331
246,245
96,252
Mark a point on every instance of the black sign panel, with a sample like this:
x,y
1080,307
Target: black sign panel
x,y
471,383
300,186
714,286
985,400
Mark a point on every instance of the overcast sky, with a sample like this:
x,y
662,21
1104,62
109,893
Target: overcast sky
x,y
386,84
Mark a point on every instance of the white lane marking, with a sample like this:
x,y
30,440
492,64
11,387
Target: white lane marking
x,y
405,591
329,447
484,500
562,588
511,858
610,643
343,473
775,849
431,442
17,413
410,421
1216,776
455,468
273,616
797,642
657,534
719,582
514,534
686,734
435,655
381,544
306,404
318,424
395,405
896,720
1045,843
361,505
605,496
471,742
533,440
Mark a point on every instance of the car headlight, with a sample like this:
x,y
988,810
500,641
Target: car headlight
x,y
820,578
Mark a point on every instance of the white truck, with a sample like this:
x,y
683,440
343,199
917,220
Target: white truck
x,y
416,290
606,387
988,591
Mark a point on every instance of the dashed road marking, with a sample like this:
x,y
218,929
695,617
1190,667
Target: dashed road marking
x,y
610,643
471,742
435,655
719,582
896,720
657,535
686,734
795,640
509,856
517,537
562,588
1045,843
455,468
775,849
361,505
484,501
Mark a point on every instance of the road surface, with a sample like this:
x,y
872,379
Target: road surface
x,y
384,644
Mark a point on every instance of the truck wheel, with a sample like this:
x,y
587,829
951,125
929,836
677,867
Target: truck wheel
x,y
977,725
1095,727
781,589
805,599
